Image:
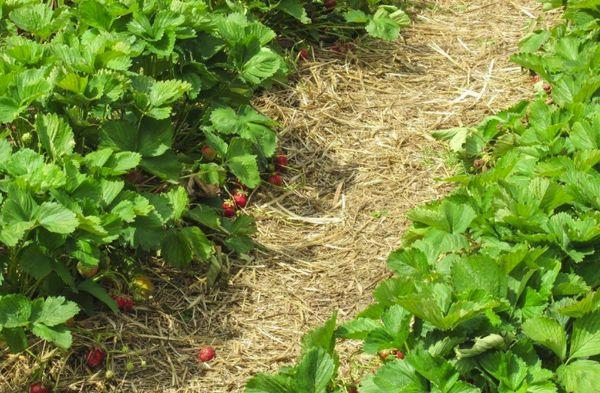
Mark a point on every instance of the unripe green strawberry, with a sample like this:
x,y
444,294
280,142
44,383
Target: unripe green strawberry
x,y
26,138
86,271
142,286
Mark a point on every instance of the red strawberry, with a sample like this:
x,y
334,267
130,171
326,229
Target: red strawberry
x,y
303,54
281,161
275,179
228,208
547,87
206,354
535,79
479,163
352,389
330,4
128,304
399,354
240,198
125,303
38,387
95,357
208,153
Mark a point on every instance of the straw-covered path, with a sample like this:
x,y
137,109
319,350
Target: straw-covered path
x,y
357,130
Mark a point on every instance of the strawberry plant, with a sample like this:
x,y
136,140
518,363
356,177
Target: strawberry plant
x,y
496,286
121,124
327,20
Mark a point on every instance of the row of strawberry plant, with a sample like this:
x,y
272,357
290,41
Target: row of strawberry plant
x,y
125,124
496,286
329,20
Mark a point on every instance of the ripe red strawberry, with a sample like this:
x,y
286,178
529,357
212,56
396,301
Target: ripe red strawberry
x,y
125,303
208,153
281,162
479,163
240,198
303,54
128,304
38,387
399,354
228,208
275,179
535,79
547,87
352,389
206,354
95,357
330,4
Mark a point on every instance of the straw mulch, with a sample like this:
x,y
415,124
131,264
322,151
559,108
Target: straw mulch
x,y
356,128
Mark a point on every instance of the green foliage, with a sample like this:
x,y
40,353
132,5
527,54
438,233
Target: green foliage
x,y
496,286
318,21
105,106
44,317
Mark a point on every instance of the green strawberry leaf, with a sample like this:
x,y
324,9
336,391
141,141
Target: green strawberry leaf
x,y
57,335
581,376
585,339
56,218
176,249
295,9
15,311
262,383
53,311
547,332
261,66
55,134
315,371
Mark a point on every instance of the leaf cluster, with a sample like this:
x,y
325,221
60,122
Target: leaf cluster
x,y
496,288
